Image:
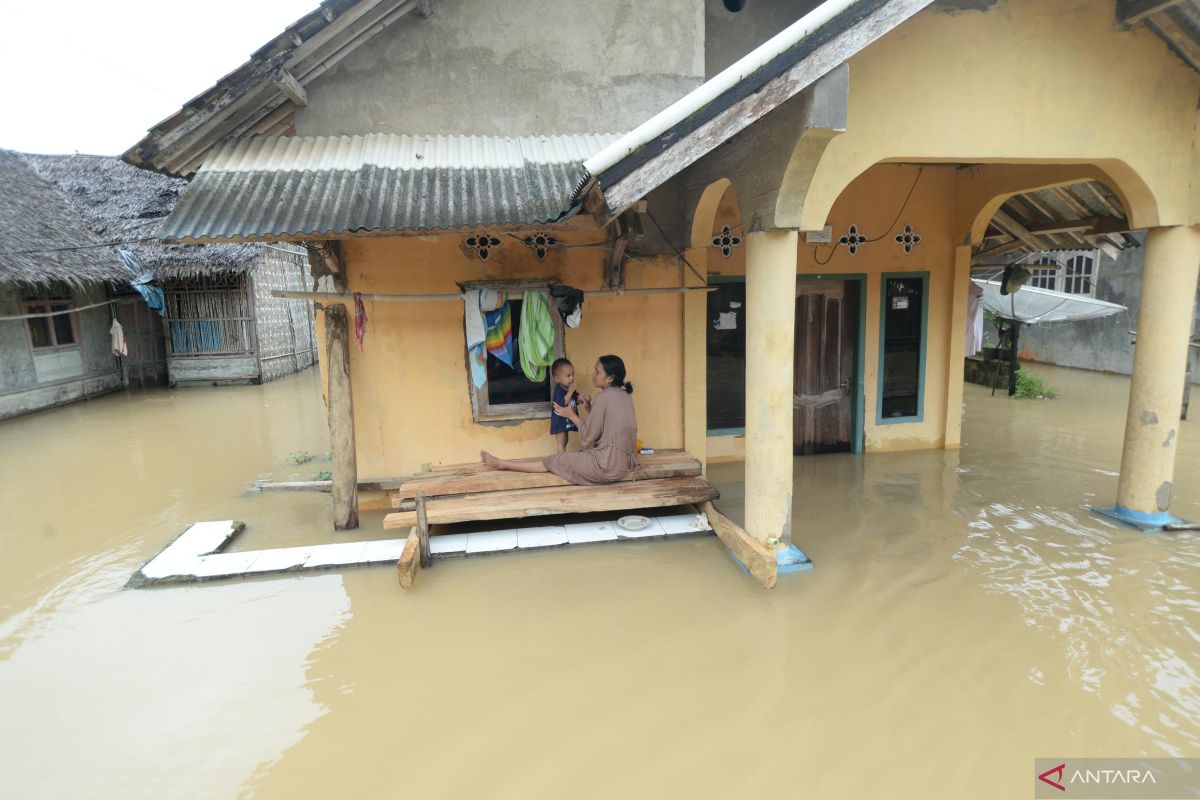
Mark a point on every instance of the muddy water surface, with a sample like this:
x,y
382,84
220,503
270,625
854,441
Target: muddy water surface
x,y
966,614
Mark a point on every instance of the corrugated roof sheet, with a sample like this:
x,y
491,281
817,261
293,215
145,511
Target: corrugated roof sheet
x,y
274,187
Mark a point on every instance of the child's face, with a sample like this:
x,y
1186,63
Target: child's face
x,y
565,375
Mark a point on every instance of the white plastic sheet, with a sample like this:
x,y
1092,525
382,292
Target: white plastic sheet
x,y
1030,304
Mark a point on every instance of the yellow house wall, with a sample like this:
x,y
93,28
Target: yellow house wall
x,y
1024,81
410,385
873,201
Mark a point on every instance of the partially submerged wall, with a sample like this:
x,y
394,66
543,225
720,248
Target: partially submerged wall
x,y
67,374
1103,344
286,342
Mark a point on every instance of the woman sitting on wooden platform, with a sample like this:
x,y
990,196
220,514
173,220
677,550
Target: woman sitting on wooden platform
x,y
608,436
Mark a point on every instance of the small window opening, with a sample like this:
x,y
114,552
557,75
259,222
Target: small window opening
x,y
734,6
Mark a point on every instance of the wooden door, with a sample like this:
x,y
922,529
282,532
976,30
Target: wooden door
x,y
826,369
146,364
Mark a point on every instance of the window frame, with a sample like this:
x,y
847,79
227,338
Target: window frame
x,y
482,409
1093,256
735,431
924,275
42,302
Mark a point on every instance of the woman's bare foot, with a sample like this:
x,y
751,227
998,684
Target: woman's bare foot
x,y
489,460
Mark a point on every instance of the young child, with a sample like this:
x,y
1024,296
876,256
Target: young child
x,y
563,373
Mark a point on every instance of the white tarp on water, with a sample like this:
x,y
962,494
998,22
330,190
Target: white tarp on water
x,y
1030,304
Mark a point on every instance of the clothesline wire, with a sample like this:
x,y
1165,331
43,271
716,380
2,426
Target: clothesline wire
x,y
57,313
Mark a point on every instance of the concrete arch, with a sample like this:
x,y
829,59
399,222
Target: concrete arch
x,y
705,213
984,185
1061,102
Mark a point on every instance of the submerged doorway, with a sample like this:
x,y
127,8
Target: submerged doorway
x,y
826,403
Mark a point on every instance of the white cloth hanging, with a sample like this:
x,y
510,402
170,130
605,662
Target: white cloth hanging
x,y
476,334
119,347
974,318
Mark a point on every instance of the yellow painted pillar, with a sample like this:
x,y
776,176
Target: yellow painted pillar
x,y
770,357
1172,264
956,354
695,361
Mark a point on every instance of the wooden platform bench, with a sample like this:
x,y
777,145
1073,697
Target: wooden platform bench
x,y
471,492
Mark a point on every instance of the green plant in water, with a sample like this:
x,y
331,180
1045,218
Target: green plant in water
x,y
300,457
1030,385
323,475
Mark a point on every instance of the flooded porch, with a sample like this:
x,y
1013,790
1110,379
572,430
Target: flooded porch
x,y
966,614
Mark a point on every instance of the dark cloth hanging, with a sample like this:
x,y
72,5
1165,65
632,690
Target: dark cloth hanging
x,y
360,320
569,302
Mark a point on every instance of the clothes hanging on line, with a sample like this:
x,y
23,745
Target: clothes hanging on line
x,y
119,346
569,302
476,337
360,320
974,332
499,333
536,337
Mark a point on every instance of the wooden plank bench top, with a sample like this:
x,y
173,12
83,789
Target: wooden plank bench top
x,y
475,467
568,499
653,466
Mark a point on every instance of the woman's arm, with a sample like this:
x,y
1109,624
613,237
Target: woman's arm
x,y
591,431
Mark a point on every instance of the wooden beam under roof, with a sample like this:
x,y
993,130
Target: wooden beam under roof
x,y
1130,12
1178,37
286,82
1018,230
1003,249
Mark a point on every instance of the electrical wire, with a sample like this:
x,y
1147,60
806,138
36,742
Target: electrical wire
x,y
900,213
678,253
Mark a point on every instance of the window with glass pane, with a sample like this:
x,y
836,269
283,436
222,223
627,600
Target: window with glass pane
x,y
1079,275
903,347
1044,278
727,356
39,327
64,331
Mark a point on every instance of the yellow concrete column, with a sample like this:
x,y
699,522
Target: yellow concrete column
x,y
770,345
1156,391
957,349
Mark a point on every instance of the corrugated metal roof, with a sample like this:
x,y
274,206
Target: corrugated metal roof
x,y
274,187
1178,23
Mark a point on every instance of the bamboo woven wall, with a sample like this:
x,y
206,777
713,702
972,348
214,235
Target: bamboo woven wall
x,y
209,316
286,334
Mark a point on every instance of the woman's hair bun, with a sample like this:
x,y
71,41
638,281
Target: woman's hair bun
x,y
628,387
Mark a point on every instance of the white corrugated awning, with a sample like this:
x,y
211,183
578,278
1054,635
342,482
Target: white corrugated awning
x,y
1031,304
275,187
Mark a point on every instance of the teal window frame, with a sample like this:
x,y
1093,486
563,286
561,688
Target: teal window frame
x,y
920,415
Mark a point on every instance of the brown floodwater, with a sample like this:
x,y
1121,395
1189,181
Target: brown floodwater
x,y
966,614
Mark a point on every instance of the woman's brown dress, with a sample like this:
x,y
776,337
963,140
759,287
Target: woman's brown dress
x,y
609,440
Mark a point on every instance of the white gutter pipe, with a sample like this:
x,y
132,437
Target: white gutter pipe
x,y
713,88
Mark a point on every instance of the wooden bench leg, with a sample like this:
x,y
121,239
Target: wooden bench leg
x,y
758,559
423,532
409,558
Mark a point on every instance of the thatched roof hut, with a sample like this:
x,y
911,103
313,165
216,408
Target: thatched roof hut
x,y
121,203
34,216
